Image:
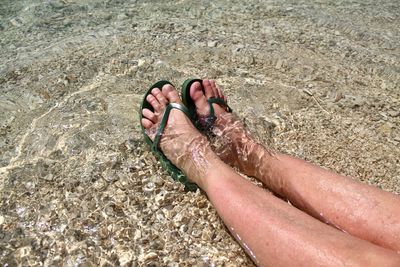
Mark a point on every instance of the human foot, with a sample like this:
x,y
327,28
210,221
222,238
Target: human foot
x,y
180,141
230,139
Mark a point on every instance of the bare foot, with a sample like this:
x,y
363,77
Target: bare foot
x,y
181,142
232,142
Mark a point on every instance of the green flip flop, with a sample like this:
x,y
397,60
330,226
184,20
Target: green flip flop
x,y
206,124
176,173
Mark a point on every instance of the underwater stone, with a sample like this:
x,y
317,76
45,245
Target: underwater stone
x,y
149,187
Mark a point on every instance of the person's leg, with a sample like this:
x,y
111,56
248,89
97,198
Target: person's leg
x,y
359,209
273,232
277,234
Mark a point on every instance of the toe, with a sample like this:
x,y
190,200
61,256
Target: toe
x,y
220,94
171,94
147,124
154,103
214,88
199,99
159,96
208,89
149,115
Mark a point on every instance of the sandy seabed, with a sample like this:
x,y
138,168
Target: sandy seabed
x,y
78,186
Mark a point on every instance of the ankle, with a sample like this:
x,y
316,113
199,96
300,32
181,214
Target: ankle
x,y
256,162
235,144
214,173
198,163
263,158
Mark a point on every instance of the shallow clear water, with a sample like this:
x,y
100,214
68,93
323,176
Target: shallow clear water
x,y
79,186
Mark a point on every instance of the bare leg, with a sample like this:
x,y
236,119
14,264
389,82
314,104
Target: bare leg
x,y
359,209
273,232
277,234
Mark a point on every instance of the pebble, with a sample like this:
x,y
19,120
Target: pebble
x,y
141,62
356,102
338,97
16,22
385,128
157,180
100,184
122,16
278,64
149,187
109,175
23,251
159,198
212,43
30,185
308,92
137,235
125,258
150,256
394,113
58,4
48,177
183,228
71,78
384,116
237,48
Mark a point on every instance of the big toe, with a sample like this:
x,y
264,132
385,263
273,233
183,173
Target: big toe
x,y
199,99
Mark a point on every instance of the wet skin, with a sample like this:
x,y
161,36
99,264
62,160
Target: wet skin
x,y
283,225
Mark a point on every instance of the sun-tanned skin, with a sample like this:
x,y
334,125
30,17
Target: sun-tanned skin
x,y
272,232
359,209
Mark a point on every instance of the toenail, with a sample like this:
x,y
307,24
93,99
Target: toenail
x,y
167,86
155,91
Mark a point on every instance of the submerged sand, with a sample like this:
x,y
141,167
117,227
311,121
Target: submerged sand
x,y
315,79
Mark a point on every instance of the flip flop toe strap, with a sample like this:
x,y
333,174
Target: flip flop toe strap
x,y
219,101
210,119
156,143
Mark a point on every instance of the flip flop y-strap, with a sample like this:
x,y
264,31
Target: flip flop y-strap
x,y
219,101
156,143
